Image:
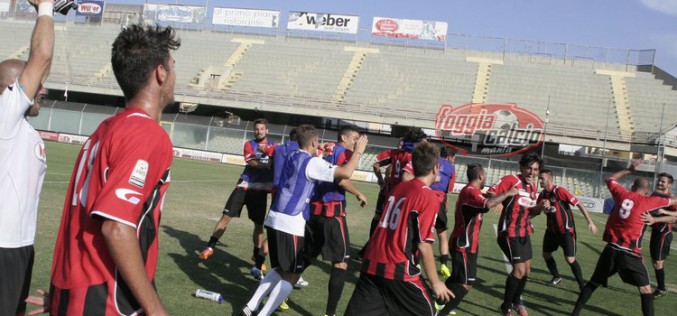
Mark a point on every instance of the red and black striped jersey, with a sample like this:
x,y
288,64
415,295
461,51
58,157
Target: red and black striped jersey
x,y
515,220
663,227
408,219
399,159
470,207
625,228
121,174
560,219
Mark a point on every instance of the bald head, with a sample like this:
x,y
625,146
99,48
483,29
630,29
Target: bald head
x,y
10,70
641,186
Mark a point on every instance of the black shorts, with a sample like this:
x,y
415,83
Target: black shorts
x,y
464,268
517,249
16,270
380,203
285,251
441,221
375,295
552,241
629,267
327,236
254,200
659,245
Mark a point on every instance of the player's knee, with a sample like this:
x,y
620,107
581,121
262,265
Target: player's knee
x,y
341,265
645,289
571,260
467,287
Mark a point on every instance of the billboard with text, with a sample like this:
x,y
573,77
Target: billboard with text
x,y
324,22
4,6
414,29
90,9
173,13
246,17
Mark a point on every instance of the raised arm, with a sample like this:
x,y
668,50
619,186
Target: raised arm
x,y
346,170
41,51
622,173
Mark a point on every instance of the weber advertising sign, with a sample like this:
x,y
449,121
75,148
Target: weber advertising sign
x,y
90,9
479,129
414,29
246,17
325,22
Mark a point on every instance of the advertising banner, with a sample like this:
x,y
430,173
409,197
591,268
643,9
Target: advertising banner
x,y
246,17
414,29
173,13
90,9
324,22
4,6
197,154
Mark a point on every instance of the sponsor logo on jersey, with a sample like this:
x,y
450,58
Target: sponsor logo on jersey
x,y
40,151
479,129
138,177
128,195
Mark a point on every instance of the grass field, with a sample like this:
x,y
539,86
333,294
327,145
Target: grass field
x,y
193,205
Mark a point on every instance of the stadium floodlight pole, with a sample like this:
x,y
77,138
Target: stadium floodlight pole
x,y
545,128
601,165
659,151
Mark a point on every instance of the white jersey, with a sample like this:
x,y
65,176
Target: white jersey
x,y
23,165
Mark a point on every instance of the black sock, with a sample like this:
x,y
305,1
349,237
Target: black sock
x,y
576,269
552,266
444,259
583,298
660,279
212,242
511,285
647,304
459,292
336,283
517,299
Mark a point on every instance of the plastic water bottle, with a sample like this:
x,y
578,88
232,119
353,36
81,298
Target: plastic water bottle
x,y
216,297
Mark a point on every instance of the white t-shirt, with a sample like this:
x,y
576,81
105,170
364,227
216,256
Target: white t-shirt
x,y
317,170
23,165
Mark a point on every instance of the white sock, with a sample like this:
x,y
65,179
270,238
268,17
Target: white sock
x,y
267,284
277,296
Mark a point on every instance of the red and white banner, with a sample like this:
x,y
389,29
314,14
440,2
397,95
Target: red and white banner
x,y
414,29
325,22
246,17
49,135
72,139
197,154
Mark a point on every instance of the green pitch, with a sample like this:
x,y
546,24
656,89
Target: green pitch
x,y
194,203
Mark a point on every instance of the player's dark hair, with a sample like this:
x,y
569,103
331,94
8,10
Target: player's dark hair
x,y
474,171
424,158
293,134
546,171
666,175
414,135
137,51
261,121
642,183
447,152
346,130
305,134
528,159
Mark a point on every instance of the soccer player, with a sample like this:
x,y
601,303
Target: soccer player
x,y
561,230
515,229
464,242
22,161
390,281
395,160
251,190
623,233
442,187
106,250
287,218
661,236
327,229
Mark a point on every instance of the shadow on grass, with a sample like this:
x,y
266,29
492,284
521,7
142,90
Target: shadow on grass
x,y
211,274
596,250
